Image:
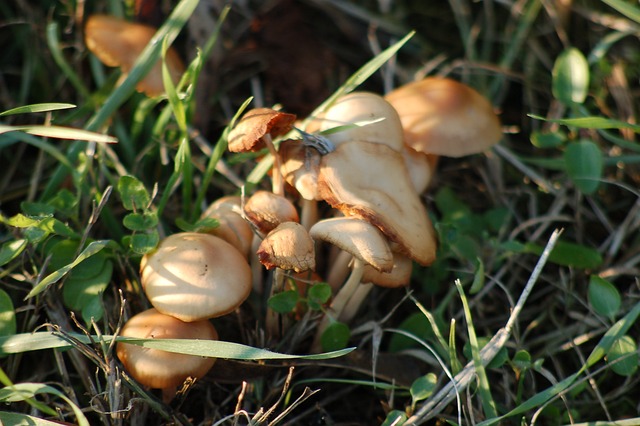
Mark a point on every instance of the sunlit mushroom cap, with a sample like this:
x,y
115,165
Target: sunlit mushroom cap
x,y
233,228
161,369
267,210
195,276
421,167
358,237
399,276
366,117
289,247
119,43
370,180
254,125
444,117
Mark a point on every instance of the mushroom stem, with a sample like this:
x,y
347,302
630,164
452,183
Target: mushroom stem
x,y
354,302
308,212
272,317
277,182
339,302
339,270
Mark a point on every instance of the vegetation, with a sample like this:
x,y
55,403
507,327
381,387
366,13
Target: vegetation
x,y
527,316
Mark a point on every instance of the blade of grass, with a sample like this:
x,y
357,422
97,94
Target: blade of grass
x,y
488,404
44,107
54,47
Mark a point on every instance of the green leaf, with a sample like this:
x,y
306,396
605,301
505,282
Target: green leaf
x,y
11,249
140,221
416,324
133,193
423,387
604,297
570,77
45,107
547,139
284,302
44,225
395,418
478,278
319,293
564,253
584,164
498,361
91,249
597,123
26,342
85,294
623,356
205,224
7,315
143,243
335,336
522,360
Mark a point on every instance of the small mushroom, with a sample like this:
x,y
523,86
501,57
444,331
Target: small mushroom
x,y
119,43
160,369
266,210
288,246
194,276
444,117
232,228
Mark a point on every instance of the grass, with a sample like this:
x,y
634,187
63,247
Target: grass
x,y
529,314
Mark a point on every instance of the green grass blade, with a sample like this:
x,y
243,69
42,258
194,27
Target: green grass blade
x,y
488,404
59,133
625,8
43,107
54,47
27,342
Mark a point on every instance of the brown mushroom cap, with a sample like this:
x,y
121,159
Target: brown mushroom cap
x,y
444,117
382,124
300,167
289,247
160,369
267,210
399,276
118,43
254,125
370,180
358,237
194,276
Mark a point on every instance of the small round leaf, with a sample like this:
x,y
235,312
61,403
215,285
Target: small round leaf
x,y
570,77
604,297
335,337
423,387
625,354
583,162
284,302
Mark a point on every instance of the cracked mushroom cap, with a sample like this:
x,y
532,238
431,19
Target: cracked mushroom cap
x,y
368,117
194,276
254,125
119,43
358,237
444,117
371,181
159,369
289,247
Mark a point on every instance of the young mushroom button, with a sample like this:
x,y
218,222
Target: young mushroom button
x,y
195,276
159,369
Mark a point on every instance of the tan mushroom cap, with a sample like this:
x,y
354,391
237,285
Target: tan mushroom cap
x,y
267,210
370,181
421,167
382,124
358,237
254,125
233,228
444,117
160,369
194,276
289,247
300,167
399,276
118,43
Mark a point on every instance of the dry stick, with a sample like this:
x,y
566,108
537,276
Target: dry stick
x,y
440,400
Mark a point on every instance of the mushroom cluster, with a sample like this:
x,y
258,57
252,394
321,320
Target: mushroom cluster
x,y
189,278
366,160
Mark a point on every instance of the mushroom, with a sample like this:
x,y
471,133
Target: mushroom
x,y
444,117
160,369
255,130
351,180
368,247
232,227
266,210
194,276
119,43
288,246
